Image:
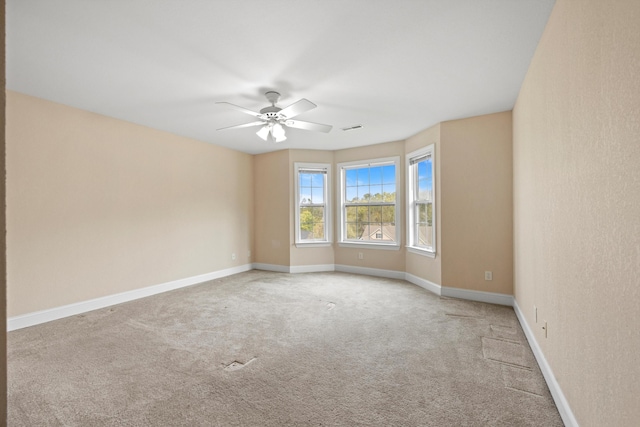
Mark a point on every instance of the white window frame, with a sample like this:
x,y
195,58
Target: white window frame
x,y
412,246
327,241
342,168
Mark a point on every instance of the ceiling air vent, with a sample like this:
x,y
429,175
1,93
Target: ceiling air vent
x,y
352,128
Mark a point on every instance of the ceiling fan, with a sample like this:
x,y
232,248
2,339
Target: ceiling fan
x,y
273,119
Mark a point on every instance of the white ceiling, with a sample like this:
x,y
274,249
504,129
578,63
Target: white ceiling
x,y
396,67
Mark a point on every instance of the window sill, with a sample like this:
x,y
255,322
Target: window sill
x,y
313,244
386,247
420,251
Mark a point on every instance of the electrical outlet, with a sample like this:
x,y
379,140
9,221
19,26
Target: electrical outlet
x,y
360,256
233,257
488,275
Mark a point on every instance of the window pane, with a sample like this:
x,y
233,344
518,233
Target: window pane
x,y
318,230
424,189
363,214
352,229
318,214
312,223
363,176
425,235
375,214
422,169
352,214
389,231
363,193
388,214
376,193
375,175
317,195
368,230
305,180
317,180
352,194
389,193
422,213
305,195
351,177
389,174
306,223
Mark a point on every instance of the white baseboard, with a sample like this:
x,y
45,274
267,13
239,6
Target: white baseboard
x,y
272,267
423,283
318,268
377,272
488,297
35,318
556,392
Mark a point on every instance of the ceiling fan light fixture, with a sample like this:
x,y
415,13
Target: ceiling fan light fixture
x,y
263,132
278,132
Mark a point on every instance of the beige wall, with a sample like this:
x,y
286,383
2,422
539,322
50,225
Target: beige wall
x,y
374,258
476,203
473,158
103,206
275,209
272,181
577,205
419,265
98,206
3,243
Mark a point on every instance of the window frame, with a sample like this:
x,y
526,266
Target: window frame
x,y
428,151
327,241
341,194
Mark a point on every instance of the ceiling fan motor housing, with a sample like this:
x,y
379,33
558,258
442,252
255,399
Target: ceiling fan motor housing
x,y
271,112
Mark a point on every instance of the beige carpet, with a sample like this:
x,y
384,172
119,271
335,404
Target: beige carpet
x,y
271,349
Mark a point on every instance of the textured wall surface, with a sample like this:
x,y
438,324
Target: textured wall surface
x,y
577,205
98,206
3,221
477,203
272,179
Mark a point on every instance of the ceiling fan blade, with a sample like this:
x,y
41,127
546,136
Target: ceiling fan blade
x,y
317,127
239,108
296,108
246,125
